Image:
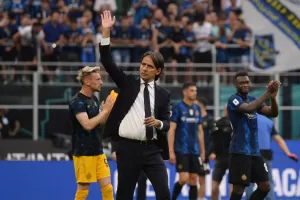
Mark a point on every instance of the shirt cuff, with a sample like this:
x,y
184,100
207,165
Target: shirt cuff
x,y
161,125
105,41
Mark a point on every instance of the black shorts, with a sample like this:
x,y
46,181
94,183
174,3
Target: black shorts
x,y
244,169
220,168
188,163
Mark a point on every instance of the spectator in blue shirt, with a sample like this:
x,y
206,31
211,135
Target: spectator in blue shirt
x,y
88,17
142,39
8,53
238,36
186,50
186,8
72,35
219,34
143,8
232,7
16,6
53,36
71,51
122,35
161,39
43,13
88,46
177,38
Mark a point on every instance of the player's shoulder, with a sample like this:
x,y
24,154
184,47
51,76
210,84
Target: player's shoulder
x,y
233,99
77,99
233,96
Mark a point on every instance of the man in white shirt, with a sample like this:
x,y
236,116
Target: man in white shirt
x,y
139,120
105,4
29,37
202,30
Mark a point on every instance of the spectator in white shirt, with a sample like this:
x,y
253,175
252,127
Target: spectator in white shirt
x,y
105,5
202,30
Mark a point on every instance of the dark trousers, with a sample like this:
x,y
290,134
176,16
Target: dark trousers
x,y
142,187
132,159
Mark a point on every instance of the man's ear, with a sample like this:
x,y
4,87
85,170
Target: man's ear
x,y
158,71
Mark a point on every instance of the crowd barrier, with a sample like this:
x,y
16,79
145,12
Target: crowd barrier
x,y
48,180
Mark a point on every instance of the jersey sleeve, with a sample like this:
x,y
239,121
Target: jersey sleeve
x,y
79,106
234,102
175,117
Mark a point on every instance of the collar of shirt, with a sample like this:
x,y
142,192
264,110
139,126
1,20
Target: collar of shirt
x,y
151,84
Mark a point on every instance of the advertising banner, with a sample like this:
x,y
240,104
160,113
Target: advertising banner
x,y
48,180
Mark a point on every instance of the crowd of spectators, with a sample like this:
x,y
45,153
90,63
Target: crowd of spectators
x,y
184,31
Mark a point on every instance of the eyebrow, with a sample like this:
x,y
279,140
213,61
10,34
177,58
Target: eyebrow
x,y
147,64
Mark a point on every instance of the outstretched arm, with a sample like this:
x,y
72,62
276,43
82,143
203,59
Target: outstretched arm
x,y
110,66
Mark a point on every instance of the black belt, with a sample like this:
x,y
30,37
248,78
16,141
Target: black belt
x,y
144,142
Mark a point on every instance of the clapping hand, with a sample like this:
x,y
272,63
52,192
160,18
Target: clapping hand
x,y
108,104
272,88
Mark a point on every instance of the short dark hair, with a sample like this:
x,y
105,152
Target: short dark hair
x,y
73,20
187,85
158,60
37,24
202,100
199,17
54,11
241,73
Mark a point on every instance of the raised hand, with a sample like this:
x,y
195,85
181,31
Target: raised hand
x,y
106,19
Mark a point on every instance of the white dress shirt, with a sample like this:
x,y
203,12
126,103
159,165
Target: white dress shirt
x,y
132,126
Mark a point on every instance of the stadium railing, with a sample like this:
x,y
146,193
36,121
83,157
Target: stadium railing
x,y
215,84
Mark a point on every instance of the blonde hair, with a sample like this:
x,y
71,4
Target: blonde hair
x,y
86,71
